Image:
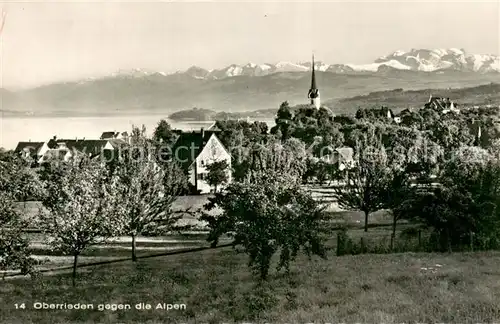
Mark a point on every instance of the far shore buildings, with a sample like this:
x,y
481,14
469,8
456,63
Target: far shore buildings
x,y
65,149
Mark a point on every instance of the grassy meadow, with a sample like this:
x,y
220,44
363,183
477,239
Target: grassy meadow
x,y
216,286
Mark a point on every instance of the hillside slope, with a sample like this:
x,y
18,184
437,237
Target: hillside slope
x,y
398,99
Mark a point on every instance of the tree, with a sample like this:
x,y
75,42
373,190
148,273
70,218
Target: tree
x,y
235,133
80,208
146,190
271,215
413,161
288,158
398,195
466,200
14,247
450,134
217,174
364,186
284,122
164,134
18,178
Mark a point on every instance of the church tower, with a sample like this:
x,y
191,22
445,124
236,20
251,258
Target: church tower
x,y
313,93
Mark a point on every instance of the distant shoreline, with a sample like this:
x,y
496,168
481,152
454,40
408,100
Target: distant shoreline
x,y
166,116
24,115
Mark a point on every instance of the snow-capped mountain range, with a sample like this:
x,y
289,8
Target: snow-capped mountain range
x,y
256,86
423,60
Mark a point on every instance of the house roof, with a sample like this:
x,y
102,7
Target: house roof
x,y
32,147
188,146
441,103
92,147
214,128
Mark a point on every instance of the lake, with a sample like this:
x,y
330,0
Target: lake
x,y
40,129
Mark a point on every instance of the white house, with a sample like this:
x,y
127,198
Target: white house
x,y
194,151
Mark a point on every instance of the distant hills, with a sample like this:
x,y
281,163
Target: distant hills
x,y
399,99
396,99
250,87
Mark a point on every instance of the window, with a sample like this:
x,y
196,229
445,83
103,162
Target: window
x,y
201,176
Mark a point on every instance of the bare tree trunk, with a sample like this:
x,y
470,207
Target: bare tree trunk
x,y
366,220
134,257
75,262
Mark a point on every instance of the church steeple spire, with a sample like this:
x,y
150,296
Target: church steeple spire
x,y
313,77
313,93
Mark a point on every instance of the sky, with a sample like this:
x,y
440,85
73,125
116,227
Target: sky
x,y
44,42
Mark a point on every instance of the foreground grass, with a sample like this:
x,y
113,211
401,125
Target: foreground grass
x,y
216,286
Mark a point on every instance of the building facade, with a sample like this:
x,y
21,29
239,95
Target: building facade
x,y
194,151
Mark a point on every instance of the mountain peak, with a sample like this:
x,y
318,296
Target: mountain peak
x,y
423,60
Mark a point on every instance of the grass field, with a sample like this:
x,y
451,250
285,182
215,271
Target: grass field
x,y
216,286
120,248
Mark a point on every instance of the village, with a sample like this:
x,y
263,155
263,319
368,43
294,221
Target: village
x,y
251,162
196,148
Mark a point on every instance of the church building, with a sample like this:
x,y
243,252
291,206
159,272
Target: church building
x,y
313,93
